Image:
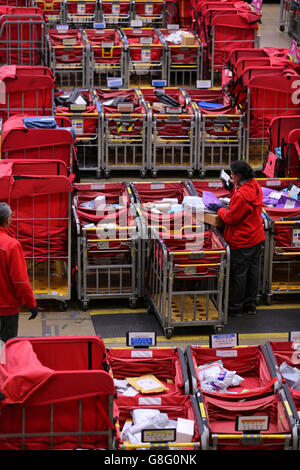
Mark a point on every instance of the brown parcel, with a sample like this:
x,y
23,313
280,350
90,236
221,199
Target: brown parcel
x,y
187,39
212,218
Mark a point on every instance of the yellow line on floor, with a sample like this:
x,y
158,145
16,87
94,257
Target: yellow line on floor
x,y
112,311
278,307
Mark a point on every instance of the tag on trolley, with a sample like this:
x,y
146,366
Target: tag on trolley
x,y
140,339
253,424
159,435
224,341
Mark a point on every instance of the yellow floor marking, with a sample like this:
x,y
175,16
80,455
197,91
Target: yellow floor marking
x,y
111,311
278,307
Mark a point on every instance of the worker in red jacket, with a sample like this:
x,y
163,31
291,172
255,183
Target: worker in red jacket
x,y
244,233
15,288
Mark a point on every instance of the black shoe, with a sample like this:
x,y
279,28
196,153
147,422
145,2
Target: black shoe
x,y
250,310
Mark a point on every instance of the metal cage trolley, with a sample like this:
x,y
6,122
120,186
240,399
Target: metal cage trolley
x,y
107,230
68,57
173,128
125,127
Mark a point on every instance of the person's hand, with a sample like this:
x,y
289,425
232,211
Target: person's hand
x,y
34,312
214,207
228,185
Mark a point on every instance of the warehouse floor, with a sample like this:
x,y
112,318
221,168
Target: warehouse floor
x,y
112,319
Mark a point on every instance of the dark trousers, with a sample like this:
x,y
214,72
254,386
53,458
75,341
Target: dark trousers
x,y
244,278
9,325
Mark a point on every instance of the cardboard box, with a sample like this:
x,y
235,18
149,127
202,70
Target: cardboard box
x,y
185,430
187,39
212,218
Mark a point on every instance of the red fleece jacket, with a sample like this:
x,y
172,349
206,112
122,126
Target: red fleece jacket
x,y
15,289
244,223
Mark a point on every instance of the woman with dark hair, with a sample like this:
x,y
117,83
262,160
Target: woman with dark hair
x,y
244,233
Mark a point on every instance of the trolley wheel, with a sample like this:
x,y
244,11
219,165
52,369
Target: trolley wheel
x,y
132,303
281,28
143,174
268,299
168,333
63,306
98,174
154,174
218,329
202,173
190,174
84,305
106,174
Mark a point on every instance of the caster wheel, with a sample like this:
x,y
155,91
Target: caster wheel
x,y
202,174
143,174
63,306
190,174
268,299
98,175
169,333
154,174
106,174
132,303
281,28
84,306
218,329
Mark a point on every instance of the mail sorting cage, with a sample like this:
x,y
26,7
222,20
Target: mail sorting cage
x,y
22,36
82,13
222,28
166,364
282,157
202,188
185,61
55,11
294,18
283,260
147,56
173,408
146,197
28,90
284,14
39,193
264,102
108,56
125,127
173,121
284,365
258,423
108,254
213,370
68,58
39,138
83,110
220,129
151,13
185,269
65,399
115,12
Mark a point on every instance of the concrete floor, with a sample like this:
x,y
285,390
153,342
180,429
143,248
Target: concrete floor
x,y
52,322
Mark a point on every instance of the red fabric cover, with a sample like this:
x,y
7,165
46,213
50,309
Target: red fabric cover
x,y
163,363
124,7
101,55
27,89
248,362
20,142
222,417
63,389
15,287
90,124
21,373
284,352
244,226
40,210
183,55
135,45
67,54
